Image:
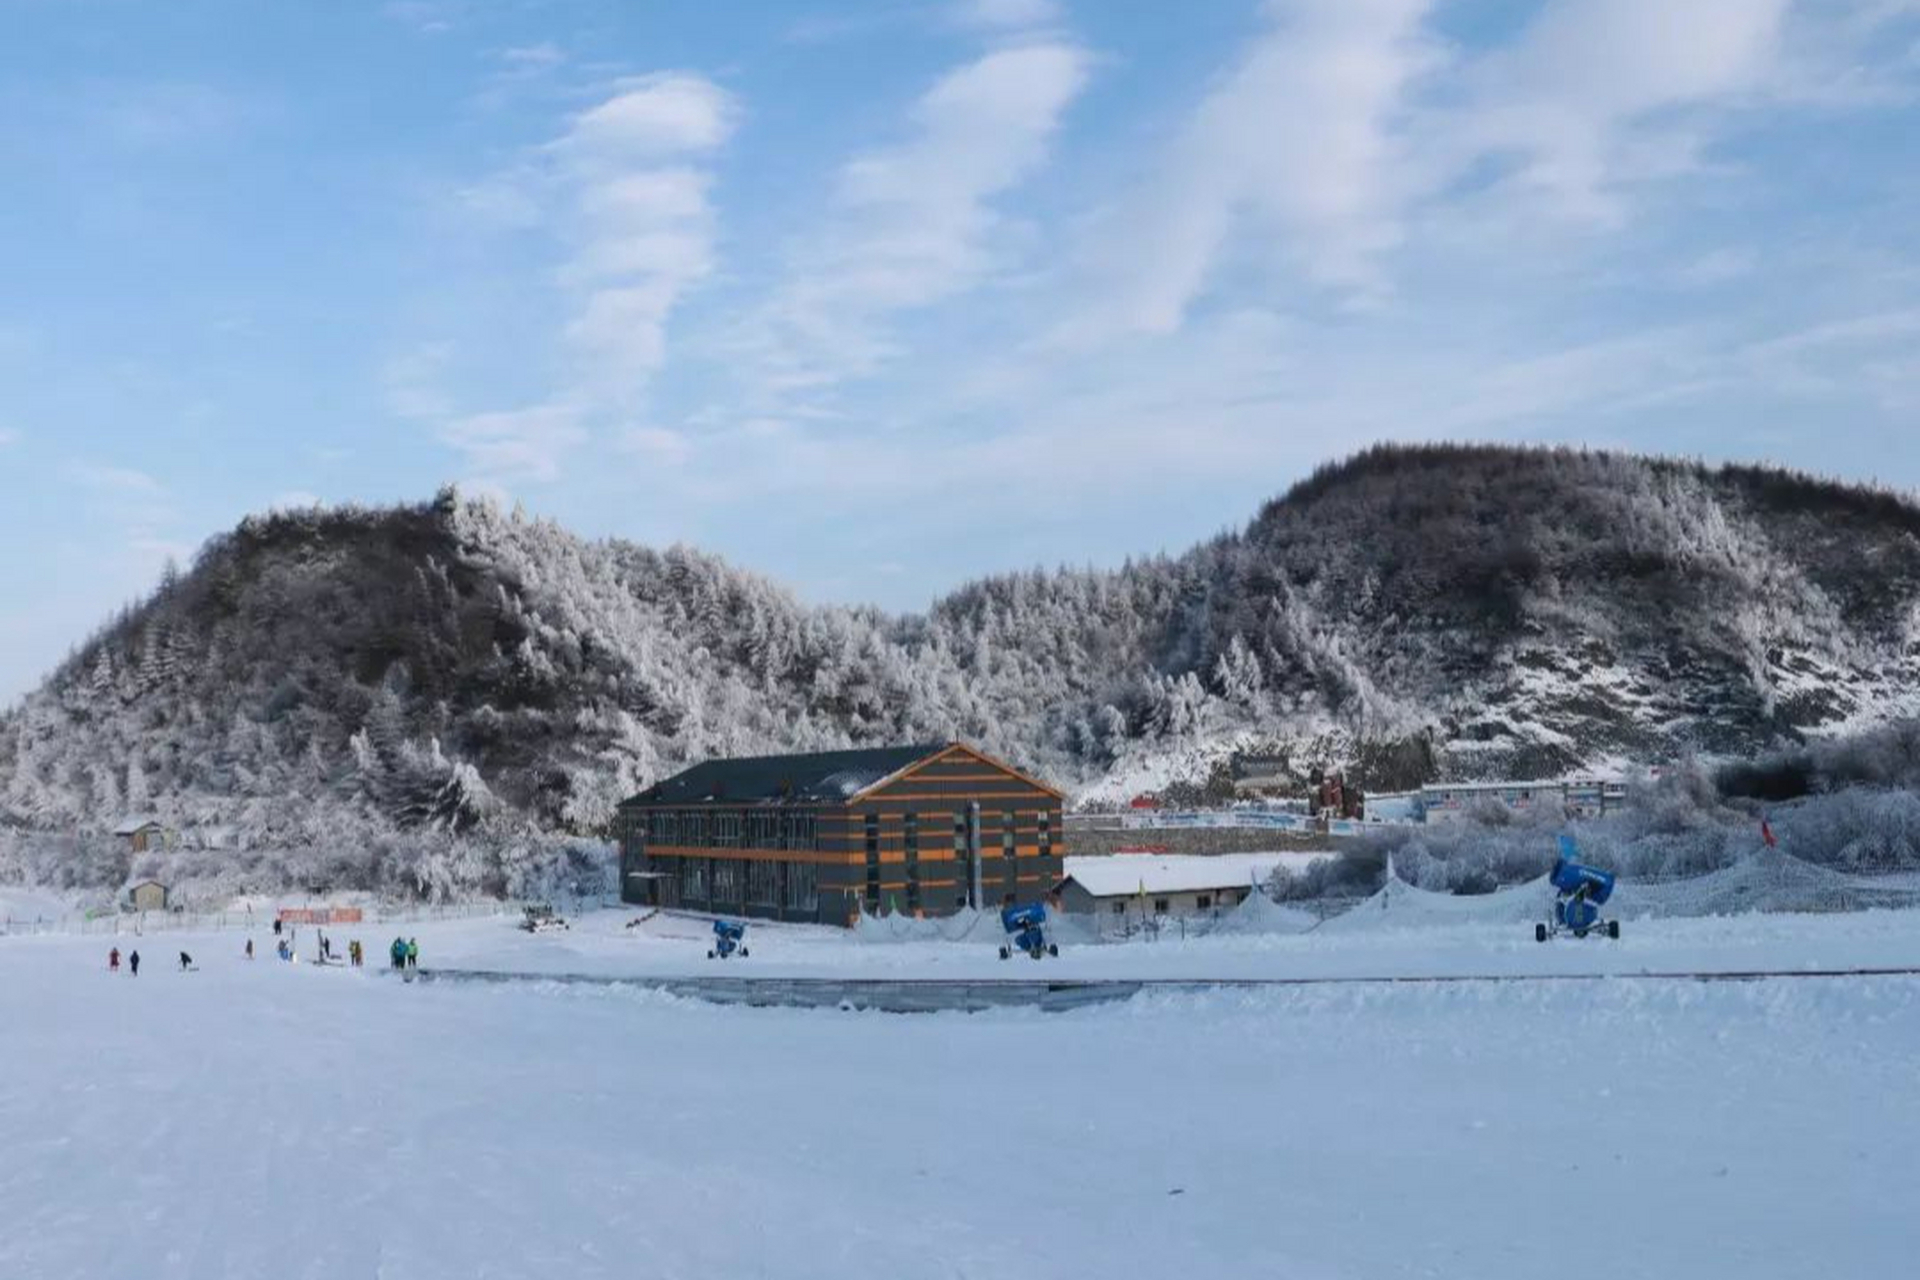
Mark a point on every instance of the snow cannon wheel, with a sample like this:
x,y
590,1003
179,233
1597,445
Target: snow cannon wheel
x,y
709,955
1005,954
1053,949
1613,928
743,953
1539,933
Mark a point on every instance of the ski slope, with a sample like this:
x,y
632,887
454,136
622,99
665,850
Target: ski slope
x,y
299,1122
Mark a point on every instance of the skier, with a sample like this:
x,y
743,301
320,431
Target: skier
x,y
249,948
186,962
276,927
354,953
113,960
413,953
133,962
399,953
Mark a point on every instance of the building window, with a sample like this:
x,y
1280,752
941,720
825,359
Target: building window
x,y
1120,908
693,829
1201,902
1006,833
763,829
726,829
693,880
803,892
729,886
1046,833
763,883
1160,906
873,861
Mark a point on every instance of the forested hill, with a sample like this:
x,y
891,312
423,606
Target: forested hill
x,y
1466,611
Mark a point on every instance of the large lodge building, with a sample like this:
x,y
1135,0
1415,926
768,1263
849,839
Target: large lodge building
x,y
921,830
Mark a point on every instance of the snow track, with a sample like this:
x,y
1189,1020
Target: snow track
x,y
925,995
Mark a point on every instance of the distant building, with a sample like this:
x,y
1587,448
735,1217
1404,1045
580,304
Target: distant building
x,y
148,895
921,830
1571,798
1169,885
1260,775
1398,806
142,834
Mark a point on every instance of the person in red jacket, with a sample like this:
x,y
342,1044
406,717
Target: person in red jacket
x,y
113,960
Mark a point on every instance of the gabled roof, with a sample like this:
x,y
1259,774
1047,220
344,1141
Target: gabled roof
x,y
822,777
139,822
1117,875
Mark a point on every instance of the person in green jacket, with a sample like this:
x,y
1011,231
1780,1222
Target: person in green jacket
x,y
413,953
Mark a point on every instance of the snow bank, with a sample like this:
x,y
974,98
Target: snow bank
x,y
1259,914
1399,905
1770,881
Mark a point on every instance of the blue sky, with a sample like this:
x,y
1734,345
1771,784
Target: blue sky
x,y
876,297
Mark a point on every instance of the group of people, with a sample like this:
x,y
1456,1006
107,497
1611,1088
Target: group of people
x,y
405,953
133,961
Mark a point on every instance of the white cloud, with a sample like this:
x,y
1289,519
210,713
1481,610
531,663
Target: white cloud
x,y
916,223
638,221
8,436
1007,13
109,479
1585,99
656,444
414,382
517,444
168,114
624,188
1295,145
428,17
653,117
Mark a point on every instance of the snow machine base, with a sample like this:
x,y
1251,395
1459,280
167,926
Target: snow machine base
x,y
1598,929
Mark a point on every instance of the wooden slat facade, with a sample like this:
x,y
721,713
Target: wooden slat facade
x,y
907,843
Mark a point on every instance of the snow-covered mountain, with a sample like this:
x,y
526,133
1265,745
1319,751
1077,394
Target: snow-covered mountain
x,y
1409,612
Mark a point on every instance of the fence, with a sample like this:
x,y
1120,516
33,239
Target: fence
x,y
140,923
1241,819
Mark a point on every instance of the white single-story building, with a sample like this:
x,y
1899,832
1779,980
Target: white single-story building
x,y
1167,885
1561,798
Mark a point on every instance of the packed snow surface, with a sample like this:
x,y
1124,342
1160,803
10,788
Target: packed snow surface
x,y
257,1118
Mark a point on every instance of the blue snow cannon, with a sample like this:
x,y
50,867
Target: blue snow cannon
x,y
729,936
1026,931
1579,893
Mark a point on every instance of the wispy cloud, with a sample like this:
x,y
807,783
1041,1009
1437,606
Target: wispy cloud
x,y
103,478
624,190
1003,14
915,223
527,444
1296,145
168,114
